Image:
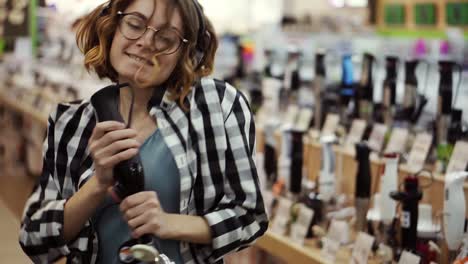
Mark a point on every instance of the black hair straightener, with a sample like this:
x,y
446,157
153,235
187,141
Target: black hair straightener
x,y
128,175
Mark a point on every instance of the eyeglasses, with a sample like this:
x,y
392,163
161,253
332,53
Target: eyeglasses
x,y
166,40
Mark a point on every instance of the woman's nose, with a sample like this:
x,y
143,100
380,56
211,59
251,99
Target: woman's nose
x,y
147,40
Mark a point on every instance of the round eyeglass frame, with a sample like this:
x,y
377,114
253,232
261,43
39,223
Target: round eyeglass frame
x,y
183,40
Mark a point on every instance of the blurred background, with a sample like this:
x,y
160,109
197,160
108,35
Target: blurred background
x,y
40,66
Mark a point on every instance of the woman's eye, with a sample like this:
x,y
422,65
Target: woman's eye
x,y
135,25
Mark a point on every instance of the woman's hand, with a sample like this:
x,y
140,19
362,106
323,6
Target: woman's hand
x,y
110,144
144,215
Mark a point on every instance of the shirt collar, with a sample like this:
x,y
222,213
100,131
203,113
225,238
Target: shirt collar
x,y
161,99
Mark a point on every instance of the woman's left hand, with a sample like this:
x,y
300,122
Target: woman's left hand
x,y
144,215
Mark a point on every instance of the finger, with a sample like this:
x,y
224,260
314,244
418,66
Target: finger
x,y
103,127
148,228
110,162
140,220
147,205
138,199
116,147
116,135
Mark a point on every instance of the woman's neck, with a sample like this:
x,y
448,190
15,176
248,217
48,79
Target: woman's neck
x,y
141,99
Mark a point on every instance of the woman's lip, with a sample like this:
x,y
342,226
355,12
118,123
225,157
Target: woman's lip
x,y
149,62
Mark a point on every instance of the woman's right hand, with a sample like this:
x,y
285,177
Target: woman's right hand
x,y
110,144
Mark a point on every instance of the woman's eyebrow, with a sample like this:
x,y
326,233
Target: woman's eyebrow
x,y
141,15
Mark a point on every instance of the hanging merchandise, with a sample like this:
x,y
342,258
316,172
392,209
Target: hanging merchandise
x,y
445,102
363,184
388,184
409,199
297,157
270,161
319,86
291,80
428,234
384,210
365,92
418,232
313,201
389,91
421,99
455,223
348,97
413,104
327,180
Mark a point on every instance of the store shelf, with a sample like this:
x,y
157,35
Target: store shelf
x,y
23,108
285,249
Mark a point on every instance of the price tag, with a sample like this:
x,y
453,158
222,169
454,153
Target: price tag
x,y
362,248
419,151
356,132
270,90
282,216
303,121
298,234
459,157
291,115
397,141
300,228
331,123
339,231
377,137
305,216
409,258
330,249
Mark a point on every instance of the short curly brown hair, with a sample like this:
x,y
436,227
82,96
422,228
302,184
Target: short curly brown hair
x,y
96,31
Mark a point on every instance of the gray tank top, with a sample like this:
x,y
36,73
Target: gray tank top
x,y
162,176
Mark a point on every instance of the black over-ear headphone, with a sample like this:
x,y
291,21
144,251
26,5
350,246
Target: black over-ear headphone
x,y
202,35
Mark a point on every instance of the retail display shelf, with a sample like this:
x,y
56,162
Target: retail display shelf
x,y
285,249
22,108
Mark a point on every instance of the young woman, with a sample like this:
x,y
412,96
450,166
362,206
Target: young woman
x,y
195,137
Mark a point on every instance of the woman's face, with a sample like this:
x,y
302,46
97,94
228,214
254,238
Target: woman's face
x,y
131,56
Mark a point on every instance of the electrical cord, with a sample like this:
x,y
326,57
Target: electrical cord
x,y
431,175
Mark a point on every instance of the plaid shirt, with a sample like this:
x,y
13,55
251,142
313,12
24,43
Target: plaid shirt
x,y
213,146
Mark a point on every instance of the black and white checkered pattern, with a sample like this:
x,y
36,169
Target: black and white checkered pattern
x,y
213,146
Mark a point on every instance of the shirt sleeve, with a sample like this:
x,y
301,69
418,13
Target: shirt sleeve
x,y
41,234
240,217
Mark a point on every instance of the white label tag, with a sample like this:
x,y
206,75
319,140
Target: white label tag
x,y
397,142
303,121
270,90
409,258
356,132
339,231
362,248
305,216
330,249
459,157
330,125
419,151
291,115
298,234
405,219
377,137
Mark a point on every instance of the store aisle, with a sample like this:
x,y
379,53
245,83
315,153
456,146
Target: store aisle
x,y
15,187
9,248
